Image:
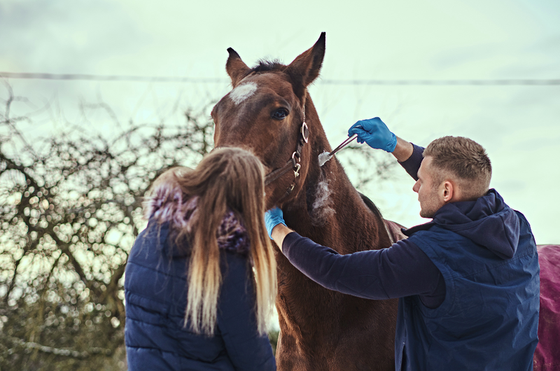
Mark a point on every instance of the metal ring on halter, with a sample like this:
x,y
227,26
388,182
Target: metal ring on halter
x,y
305,132
295,161
296,170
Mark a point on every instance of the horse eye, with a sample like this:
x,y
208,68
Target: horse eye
x,y
280,113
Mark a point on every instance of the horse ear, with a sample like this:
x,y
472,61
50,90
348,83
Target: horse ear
x,y
305,68
235,67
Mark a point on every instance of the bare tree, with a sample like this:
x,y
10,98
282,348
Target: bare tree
x,y
70,209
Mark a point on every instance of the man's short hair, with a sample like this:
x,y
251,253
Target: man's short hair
x,y
463,159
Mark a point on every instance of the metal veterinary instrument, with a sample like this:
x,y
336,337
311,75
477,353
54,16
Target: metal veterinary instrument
x,y
343,144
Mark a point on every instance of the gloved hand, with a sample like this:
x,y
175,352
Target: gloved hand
x,y
375,133
272,218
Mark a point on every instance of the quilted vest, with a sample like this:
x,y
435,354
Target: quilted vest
x,y
489,318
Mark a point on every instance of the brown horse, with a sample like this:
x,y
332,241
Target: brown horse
x,y
270,112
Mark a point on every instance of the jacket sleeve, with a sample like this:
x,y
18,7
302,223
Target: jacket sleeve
x,y
412,164
398,271
237,320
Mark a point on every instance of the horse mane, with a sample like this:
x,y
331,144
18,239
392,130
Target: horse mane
x,y
369,203
267,65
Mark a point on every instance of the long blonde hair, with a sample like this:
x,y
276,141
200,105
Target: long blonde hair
x,y
227,178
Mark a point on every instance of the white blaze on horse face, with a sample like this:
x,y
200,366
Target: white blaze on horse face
x,y
242,92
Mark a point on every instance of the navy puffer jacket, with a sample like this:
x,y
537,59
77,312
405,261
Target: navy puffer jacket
x,y
155,293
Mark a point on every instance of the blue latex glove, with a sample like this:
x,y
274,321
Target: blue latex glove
x,y
375,133
272,218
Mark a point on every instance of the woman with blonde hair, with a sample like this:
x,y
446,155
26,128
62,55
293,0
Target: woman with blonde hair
x,y
200,281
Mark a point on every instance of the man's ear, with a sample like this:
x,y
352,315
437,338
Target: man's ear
x,y
449,191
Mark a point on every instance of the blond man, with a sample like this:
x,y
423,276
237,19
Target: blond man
x,y
467,281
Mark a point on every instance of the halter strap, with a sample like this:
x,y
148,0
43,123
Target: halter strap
x,y
294,163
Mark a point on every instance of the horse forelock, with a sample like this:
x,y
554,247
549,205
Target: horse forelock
x,y
267,66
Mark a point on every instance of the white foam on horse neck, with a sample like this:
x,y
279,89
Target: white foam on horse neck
x,y
242,92
324,157
321,208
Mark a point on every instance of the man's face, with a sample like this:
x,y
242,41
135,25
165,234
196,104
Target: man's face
x,y
430,195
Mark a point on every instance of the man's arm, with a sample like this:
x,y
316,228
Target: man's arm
x,y
403,150
279,233
412,163
398,271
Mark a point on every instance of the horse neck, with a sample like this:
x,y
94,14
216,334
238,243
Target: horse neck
x,y
328,209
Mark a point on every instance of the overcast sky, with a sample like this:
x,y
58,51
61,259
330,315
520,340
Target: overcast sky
x,y
384,40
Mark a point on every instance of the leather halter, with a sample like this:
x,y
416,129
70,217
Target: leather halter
x,y
294,163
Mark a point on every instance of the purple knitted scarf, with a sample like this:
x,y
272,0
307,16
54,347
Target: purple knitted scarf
x,y
167,203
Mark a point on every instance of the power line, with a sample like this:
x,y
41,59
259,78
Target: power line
x,y
498,82
170,79
86,77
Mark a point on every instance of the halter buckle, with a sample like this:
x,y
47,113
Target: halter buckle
x,y
296,170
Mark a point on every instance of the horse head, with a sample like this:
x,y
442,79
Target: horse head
x,y
269,112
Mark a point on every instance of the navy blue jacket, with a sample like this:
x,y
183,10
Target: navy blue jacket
x,y
490,236
489,319
155,294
